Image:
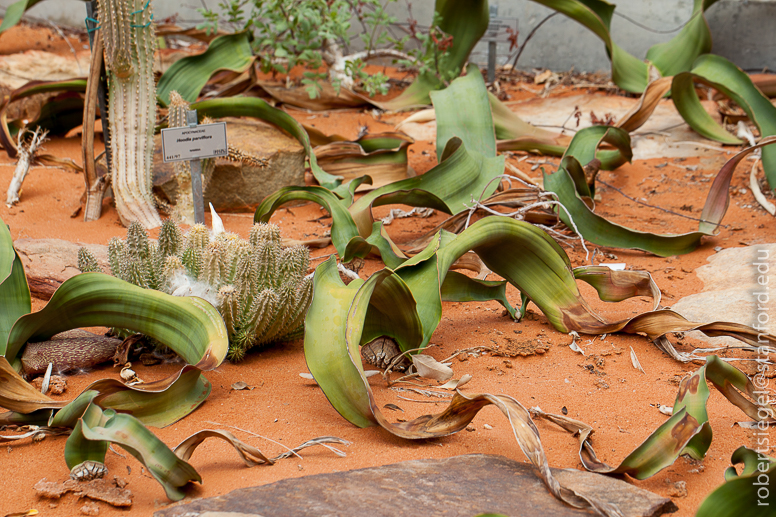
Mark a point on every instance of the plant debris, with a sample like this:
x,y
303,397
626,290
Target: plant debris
x,y
241,385
97,489
57,384
515,347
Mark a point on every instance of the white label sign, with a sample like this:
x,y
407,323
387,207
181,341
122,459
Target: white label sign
x,y
193,143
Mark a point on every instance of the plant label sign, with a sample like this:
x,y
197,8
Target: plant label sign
x,y
194,142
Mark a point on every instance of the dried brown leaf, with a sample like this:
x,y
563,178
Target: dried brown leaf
x,y
430,368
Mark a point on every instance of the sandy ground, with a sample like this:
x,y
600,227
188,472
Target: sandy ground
x,y
618,401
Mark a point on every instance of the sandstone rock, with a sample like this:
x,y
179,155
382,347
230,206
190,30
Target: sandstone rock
x,y
461,486
238,186
730,284
56,259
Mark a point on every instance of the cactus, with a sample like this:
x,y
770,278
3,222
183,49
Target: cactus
x,y
184,205
129,43
260,287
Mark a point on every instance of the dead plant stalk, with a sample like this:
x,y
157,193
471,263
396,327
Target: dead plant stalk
x,y
26,157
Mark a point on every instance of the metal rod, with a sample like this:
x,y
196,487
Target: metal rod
x,y
196,176
491,61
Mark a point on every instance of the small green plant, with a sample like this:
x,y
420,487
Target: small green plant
x,y
311,33
258,286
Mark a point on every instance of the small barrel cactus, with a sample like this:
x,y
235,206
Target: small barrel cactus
x,y
259,286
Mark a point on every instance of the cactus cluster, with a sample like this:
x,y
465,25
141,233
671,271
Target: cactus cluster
x,y
259,286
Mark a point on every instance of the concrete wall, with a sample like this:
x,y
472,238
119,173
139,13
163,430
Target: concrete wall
x,y
743,30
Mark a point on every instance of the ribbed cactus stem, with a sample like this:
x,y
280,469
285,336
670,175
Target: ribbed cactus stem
x,y
227,298
184,205
216,267
129,56
263,294
87,262
173,266
170,239
115,252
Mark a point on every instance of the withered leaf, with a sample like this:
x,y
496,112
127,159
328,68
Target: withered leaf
x,y
430,368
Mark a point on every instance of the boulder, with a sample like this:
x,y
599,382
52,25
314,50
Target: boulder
x,y
731,283
461,486
239,186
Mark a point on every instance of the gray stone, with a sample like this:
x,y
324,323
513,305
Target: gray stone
x,y
664,135
461,486
730,287
236,186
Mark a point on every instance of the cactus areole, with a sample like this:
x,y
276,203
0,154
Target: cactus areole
x,y
128,36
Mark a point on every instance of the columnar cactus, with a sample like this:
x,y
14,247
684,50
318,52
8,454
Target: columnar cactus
x,y
129,42
259,286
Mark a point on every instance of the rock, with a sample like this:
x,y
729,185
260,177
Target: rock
x,y
240,186
57,384
55,259
730,287
462,486
664,135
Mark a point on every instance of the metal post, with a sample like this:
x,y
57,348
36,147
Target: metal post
x,y
491,61
91,10
196,176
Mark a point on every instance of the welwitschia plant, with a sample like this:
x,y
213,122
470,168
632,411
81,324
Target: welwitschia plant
x,y
129,43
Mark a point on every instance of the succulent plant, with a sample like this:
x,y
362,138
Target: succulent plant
x,y
258,286
128,35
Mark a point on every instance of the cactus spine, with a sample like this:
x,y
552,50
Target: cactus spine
x,y
260,287
129,43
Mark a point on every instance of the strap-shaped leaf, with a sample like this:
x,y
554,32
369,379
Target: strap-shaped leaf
x,y
14,291
190,326
130,434
727,78
566,184
189,75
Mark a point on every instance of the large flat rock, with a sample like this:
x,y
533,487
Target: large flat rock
x,y
239,186
731,282
664,135
461,486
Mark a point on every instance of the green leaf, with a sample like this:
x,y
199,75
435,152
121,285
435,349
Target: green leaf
x,y
458,287
745,496
463,111
14,293
566,184
14,12
189,75
669,58
190,326
343,228
686,432
724,76
461,175
466,21
130,434
77,448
